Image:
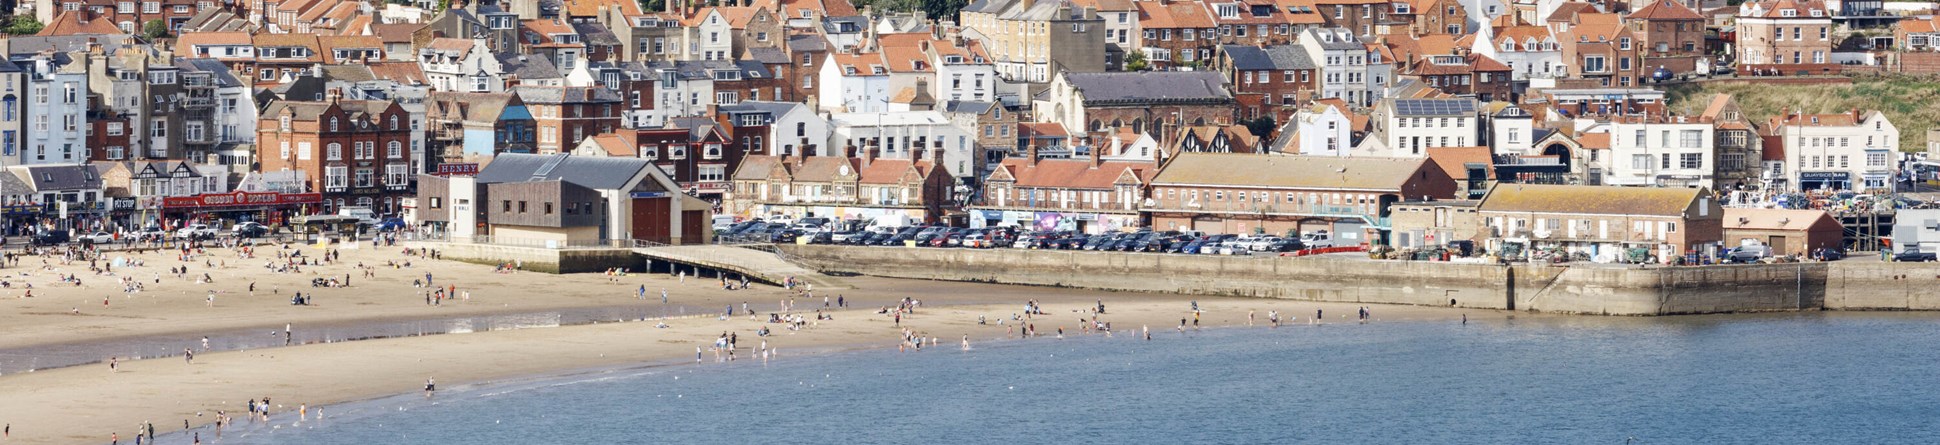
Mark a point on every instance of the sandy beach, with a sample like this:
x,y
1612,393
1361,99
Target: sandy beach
x,y
87,403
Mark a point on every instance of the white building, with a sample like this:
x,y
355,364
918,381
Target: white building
x,y
460,65
56,110
1661,152
1854,151
1407,127
1319,130
854,83
901,133
1530,51
1348,70
793,129
964,74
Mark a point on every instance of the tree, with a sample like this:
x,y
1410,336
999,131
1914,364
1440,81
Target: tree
x,y
1135,61
154,29
1261,127
652,6
23,25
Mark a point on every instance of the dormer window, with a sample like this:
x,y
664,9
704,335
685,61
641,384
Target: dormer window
x,y
1818,13
1508,45
729,75
849,70
1399,8
1228,11
952,59
877,70
1788,13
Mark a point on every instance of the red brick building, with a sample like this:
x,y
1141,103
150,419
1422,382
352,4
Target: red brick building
x,y
354,152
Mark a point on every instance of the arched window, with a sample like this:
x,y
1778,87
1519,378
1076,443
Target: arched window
x,y
1094,125
335,151
394,150
393,123
1138,125
333,124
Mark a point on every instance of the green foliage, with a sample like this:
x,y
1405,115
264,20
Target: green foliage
x,y
1135,61
1261,127
23,25
653,5
1911,103
154,29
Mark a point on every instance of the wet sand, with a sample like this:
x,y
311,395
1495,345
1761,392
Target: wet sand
x,y
86,403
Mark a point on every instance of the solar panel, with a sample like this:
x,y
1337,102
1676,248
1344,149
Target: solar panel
x,y
1434,106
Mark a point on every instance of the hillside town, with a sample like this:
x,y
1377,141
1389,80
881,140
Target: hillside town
x,y
1511,130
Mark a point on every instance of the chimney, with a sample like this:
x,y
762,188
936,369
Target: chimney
x,y
1097,158
1030,153
936,155
871,153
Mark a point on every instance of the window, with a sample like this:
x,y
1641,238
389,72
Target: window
x,y
1691,138
1691,161
303,151
364,177
334,151
713,173
1640,162
336,177
115,128
711,151
1875,159
397,175
677,151
650,152
394,151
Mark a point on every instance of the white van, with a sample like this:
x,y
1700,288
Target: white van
x,y
364,215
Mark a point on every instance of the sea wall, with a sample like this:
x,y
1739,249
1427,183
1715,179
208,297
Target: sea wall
x,y
1883,286
1588,289
537,259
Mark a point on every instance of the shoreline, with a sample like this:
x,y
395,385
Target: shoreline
x,y
68,406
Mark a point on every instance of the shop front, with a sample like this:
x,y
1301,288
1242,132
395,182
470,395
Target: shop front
x,y
1083,222
1825,180
268,208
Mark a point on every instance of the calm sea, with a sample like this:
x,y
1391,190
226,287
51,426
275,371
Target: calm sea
x,y
1791,378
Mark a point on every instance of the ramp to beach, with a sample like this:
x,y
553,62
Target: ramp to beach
x,y
759,262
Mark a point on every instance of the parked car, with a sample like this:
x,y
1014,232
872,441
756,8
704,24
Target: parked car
x,y
1914,256
843,237
1317,239
196,231
1748,254
1284,245
97,237
50,237
250,229
1830,254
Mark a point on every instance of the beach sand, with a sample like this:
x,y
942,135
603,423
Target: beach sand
x,y
89,402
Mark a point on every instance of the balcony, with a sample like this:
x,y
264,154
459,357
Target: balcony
x,y
195,103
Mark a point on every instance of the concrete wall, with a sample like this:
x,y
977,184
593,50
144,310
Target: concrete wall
x,y
1883,286
537,259
1596,289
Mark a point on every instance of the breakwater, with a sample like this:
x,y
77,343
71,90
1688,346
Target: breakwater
x,y
1575,289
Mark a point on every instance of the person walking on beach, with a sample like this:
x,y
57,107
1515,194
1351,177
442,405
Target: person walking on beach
x,y
114,364
430,386
188,356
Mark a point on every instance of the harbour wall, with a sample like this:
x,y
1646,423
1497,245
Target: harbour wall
x,y
1575,289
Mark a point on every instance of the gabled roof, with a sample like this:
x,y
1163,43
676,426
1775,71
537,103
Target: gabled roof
x,y
79,22
1308,172
1455,160
565,95
1590,199
1076,172
529,66
1566,12
408,73
1174,14
1665,10
1276,57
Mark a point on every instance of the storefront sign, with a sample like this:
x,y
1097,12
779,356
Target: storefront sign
x,y
124,203
457,169
642,195
242,199
1824,176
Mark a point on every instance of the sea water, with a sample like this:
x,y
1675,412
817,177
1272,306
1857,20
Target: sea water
x,y
1787,378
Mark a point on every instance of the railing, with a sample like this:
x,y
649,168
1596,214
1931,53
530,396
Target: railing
x,y
542,243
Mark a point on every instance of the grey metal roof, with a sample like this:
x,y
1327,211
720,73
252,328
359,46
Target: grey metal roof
x,y
1434,107
598,173
1160,86
697,127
